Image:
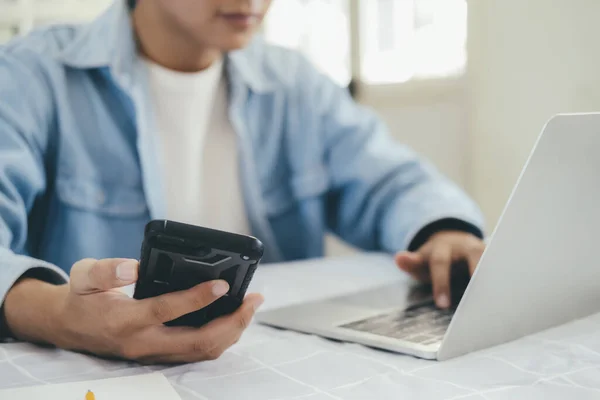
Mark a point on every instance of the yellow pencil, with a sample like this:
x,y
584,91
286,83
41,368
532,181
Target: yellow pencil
x,y
90,396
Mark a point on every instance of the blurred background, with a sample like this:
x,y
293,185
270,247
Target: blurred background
x,y
468,83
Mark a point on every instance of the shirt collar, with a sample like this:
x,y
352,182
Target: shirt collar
x,y
247,65
109,41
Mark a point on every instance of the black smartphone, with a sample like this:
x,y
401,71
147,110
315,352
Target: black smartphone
x,y
177,256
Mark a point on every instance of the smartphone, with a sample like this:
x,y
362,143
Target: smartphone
x,y
177,256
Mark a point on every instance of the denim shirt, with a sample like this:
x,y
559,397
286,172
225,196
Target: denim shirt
x,y
79,156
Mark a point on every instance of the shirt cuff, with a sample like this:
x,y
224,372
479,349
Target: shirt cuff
x,y
446,224
14,267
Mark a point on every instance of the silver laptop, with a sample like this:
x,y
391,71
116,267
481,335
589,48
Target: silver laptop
x,y
541,267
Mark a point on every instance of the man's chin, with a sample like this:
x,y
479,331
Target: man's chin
x,y
234,48
235,42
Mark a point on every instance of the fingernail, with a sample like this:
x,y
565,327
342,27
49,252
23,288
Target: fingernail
x,y
256,303
443,301
220,288
127,270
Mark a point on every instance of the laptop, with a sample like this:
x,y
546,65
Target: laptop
x,y
541,267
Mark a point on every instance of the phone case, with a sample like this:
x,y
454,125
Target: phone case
x,y
177,256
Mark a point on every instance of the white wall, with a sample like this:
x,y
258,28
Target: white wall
x,y
5,34
431,120
528,60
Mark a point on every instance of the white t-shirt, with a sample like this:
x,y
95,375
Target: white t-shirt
x,y
199,148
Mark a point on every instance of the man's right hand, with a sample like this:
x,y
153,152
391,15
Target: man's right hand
x,y
90,315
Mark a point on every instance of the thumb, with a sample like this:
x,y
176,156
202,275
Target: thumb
x,y
409,261
90,275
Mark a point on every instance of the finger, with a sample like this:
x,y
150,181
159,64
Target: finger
x,y
409,261
474,255
242,317
224,332
185,344
170,306
413,264
440,264
90,275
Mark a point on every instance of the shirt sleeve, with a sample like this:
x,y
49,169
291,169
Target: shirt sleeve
x,y
448,224
25,119
382,193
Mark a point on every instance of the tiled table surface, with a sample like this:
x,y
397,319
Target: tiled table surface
x,y
562,363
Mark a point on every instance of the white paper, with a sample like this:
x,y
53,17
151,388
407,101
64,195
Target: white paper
x,y
148,387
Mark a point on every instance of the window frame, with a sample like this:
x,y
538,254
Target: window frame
x,y
416,90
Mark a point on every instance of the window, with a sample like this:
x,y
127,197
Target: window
x,y
20,16
318,28
405,39
399,39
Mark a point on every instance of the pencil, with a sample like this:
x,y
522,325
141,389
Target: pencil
x,y
90,396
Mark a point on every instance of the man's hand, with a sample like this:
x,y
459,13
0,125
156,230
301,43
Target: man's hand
x,y
433,262
90,315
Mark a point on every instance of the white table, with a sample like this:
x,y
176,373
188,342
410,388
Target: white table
x,y
563,363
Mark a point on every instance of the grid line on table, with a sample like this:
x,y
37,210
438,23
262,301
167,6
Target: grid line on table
x,y
402,365
513,365
188,390
456,385
21,369
302,396
565,374
580,345
361,381
481,393
311,355
587,348
247,371
573,383
392,366
210,378
89,371
314,388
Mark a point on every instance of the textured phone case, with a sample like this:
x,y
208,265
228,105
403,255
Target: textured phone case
x,y
178,256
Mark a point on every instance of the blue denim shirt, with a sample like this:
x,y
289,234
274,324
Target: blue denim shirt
x,y
79,175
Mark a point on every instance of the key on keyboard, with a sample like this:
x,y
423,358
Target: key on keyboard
x,y
423,324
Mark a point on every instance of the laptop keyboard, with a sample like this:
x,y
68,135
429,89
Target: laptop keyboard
x,y
423,324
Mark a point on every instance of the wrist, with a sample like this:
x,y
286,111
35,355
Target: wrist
x,y
442,226
32,310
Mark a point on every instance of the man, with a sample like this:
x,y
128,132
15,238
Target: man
x,y
170,109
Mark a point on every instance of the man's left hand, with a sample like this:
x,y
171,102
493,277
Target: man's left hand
x,y
433,262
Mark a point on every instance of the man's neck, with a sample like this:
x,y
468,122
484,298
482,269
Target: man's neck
x,y
167,45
